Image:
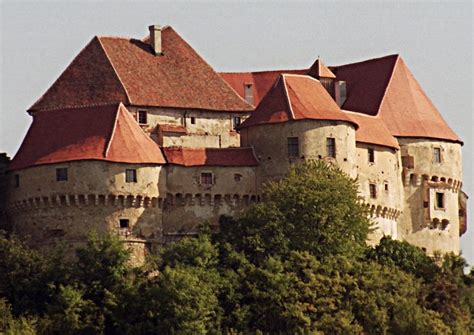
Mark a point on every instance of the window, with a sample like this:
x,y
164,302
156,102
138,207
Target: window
x,y
142,117
437,155
193,120
386,186
124,223
237,177
61,174
17,180
236,121
206,178
293,147
439,200
131,175
248,93
373,191
331,147
371,154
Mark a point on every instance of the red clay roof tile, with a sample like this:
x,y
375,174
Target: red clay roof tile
x,y
296,97
125,70
319,70
372,130
408,112
210,156
107,133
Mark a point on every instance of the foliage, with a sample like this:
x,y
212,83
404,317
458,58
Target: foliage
x,y
296,263
315,209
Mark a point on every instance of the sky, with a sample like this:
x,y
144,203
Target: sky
x,y
40,38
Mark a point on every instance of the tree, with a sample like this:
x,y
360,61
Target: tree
x,y
315,209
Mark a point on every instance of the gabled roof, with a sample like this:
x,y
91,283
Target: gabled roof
x,y
107,133
319,70
296,97
210,156
113,70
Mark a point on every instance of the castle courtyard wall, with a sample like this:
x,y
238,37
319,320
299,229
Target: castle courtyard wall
x,y
212,129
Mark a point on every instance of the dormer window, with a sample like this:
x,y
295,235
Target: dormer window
x,y
142,117
248,93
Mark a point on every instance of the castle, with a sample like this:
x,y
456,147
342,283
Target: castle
x,y
143,138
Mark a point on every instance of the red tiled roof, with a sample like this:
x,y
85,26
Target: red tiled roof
x,y
107,133
125,70
296,97
383,86
373,130
210,156
366,83
408,112
318,70
261,81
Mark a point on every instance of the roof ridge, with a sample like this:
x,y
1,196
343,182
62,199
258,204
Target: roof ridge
x,y
388,84
259,71
79,106
213,70
115,71
288,100
365,61
106,151
62,73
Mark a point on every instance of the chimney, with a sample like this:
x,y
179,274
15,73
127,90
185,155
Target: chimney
x,y
155,39
340,92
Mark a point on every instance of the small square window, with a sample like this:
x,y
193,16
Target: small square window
x,y
16,182
293,147
142,117
373,191
124,223
131,175
439,200
236,121
437,155
371,155
61,174
331,147
193,120
206,178
237,177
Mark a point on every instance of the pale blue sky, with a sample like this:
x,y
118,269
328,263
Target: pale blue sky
x,y
39,39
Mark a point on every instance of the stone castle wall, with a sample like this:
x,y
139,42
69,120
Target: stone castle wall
x,y
423,222
169,202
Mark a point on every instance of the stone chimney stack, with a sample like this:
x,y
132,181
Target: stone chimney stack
x,y
155,39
